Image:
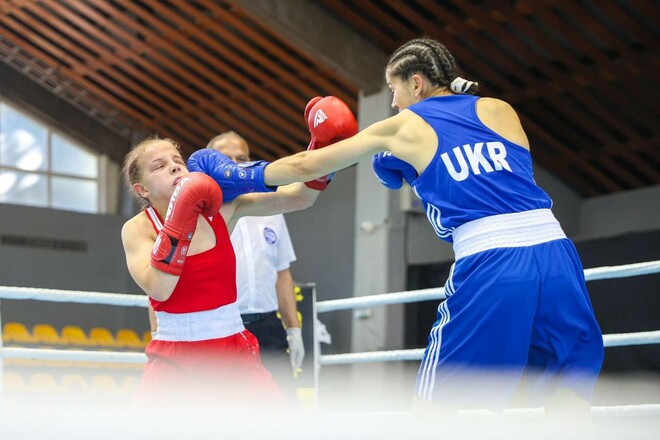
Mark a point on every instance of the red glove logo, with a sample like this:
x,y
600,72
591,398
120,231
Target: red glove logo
x,y
319,118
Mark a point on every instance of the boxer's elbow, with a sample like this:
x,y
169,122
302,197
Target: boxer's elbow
x,y
303,198
308,167
158,287
159,295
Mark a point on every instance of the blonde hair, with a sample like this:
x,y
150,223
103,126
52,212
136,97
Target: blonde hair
x,y
131,170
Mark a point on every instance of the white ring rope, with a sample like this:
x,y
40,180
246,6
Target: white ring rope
x,y
123,357
643,409
415,354
57,295
436,293
122,299
623,271
613,340
358,302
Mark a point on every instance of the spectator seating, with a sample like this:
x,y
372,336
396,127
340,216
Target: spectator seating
x,y
72,336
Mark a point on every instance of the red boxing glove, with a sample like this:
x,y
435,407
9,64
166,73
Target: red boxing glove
x,y
329,120
195,194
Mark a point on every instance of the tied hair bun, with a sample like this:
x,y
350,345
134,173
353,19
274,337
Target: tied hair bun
x,y
461,85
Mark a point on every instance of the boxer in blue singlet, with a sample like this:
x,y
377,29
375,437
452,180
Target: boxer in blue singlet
x,y
516,296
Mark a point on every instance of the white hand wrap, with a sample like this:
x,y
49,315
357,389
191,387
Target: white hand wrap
x,y
296,347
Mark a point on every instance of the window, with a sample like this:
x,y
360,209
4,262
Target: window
x,y
41,167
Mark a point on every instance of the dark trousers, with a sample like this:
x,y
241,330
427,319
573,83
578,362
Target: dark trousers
x,y
273,347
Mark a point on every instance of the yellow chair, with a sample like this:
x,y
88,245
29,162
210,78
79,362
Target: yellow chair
x,y
46,334
76,336
14,383
129,338
103,337
146,337
130,383
43,383
17,333
74,384
104,383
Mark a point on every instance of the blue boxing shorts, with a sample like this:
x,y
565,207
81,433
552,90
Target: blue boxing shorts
x,y
510,312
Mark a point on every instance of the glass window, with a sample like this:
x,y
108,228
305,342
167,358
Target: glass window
x,y
40,167
23,188
72,159
74,194
24,142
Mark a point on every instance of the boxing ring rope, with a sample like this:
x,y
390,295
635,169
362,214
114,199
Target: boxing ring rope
x,y
611,340
122,357
56,295
437,293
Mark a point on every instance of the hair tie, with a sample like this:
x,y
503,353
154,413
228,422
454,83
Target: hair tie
x,y
460,85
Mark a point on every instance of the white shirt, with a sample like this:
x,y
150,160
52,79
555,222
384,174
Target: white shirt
x,y
263,248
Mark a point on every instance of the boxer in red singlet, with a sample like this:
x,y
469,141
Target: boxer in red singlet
x,y
179,252
185,263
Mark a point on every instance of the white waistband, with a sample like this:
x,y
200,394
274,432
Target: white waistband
x,y
199,326
519,229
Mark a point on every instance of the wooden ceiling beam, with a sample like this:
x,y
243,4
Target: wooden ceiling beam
x,y
474,65
262,143
605,183
628,24
362,22
592,76
236,96
578,182
577,39
227,51
560,82
375,10
308,70
406,10
77,74
67,63
650,171
308,27
621,173
498,62
276,118
105,63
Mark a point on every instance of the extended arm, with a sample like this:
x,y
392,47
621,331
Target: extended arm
x,y
287,198
328,119
308,165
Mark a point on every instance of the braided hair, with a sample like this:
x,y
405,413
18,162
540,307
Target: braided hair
x,y
433,60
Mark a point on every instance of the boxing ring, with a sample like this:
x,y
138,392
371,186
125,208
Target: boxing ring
x,y
64,296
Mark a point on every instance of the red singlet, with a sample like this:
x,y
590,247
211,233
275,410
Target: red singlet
x,y
186,361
